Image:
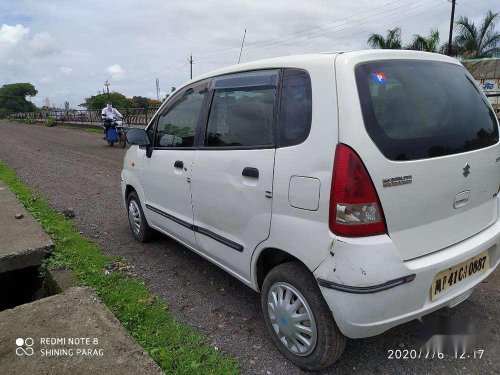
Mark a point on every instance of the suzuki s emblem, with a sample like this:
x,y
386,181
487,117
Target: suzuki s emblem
x,y
466,170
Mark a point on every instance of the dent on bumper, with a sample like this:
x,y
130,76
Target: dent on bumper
x,y
367,288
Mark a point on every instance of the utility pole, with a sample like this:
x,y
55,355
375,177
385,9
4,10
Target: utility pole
x,y
157,89
242,42
191,62
450,37
107,87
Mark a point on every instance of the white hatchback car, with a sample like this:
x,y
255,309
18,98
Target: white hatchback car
x,y
356,191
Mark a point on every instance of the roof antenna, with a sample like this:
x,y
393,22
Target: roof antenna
x,y
242,42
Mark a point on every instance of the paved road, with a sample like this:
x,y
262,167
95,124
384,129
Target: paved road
x,y
76,169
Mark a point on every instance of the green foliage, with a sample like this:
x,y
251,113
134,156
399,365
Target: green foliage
x,y
391,41
13,98
98,102
425,43
173,345
120,101
4,113
30,120
472,42
50,122
143,102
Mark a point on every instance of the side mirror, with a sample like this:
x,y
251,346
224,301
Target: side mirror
x,y
137,137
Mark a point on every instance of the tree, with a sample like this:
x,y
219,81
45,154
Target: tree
x,y
425,43
99,101
139,102
143,102
391,41
472,42
13,98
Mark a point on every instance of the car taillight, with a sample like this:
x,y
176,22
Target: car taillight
x,y
355,209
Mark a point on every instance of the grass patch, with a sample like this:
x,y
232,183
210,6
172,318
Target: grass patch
x,y
173,345
93,130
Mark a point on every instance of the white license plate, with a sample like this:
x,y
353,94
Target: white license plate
x,y
458,273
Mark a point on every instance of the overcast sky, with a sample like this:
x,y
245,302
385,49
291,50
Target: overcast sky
x,y
68,49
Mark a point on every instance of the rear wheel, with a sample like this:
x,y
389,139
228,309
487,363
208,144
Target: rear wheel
x,y
140,228
111,143
299,319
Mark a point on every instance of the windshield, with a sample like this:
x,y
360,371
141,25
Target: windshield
x,y
423,109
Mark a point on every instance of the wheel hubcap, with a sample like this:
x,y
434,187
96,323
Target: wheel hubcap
x,y
134,216
292,319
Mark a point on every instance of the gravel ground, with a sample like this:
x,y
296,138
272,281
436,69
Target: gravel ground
x,y
78,170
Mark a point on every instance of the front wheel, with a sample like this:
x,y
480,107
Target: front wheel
x,y
299,319
111,143
140,228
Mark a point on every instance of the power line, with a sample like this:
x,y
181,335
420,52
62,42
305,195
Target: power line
x,y
266,41
323,30
261,46
295,38
469,5
340,28
359,31
329,30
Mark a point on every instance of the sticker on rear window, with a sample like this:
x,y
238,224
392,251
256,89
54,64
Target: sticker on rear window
x,y
379,77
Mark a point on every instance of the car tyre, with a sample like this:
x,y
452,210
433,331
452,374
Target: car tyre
x,y
298,284
137,221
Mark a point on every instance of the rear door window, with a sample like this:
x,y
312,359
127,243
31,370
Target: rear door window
x,y
423,109
296,107
243,110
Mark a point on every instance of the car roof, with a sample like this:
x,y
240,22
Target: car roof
x,y
312,58
274,62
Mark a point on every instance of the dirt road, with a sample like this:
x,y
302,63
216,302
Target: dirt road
x,y
75,169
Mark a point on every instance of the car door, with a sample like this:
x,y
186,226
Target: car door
x,y
232,179
167,171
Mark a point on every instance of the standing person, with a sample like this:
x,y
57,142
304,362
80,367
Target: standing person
x,y
108,114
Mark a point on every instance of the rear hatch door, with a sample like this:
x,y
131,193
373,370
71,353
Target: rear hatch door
x,y
429,140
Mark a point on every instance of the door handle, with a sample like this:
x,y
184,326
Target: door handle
x,y
250,172
179,164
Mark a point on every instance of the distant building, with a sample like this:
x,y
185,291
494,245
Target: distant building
x,y
487,74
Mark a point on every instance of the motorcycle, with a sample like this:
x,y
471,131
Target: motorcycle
x,y
115,132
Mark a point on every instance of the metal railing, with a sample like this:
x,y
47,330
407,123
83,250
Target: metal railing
x,y
131,116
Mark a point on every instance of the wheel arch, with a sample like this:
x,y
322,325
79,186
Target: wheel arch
x,y
267,259
128,189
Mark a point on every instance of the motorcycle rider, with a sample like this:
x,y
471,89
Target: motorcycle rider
x,y
108,114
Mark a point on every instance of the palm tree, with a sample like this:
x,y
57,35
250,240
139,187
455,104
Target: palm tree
x,y
477,43
391,41
425,43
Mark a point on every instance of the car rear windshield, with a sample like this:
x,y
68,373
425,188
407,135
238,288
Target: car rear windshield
x,y
423,109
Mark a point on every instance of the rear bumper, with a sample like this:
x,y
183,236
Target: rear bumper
x,y
378,290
